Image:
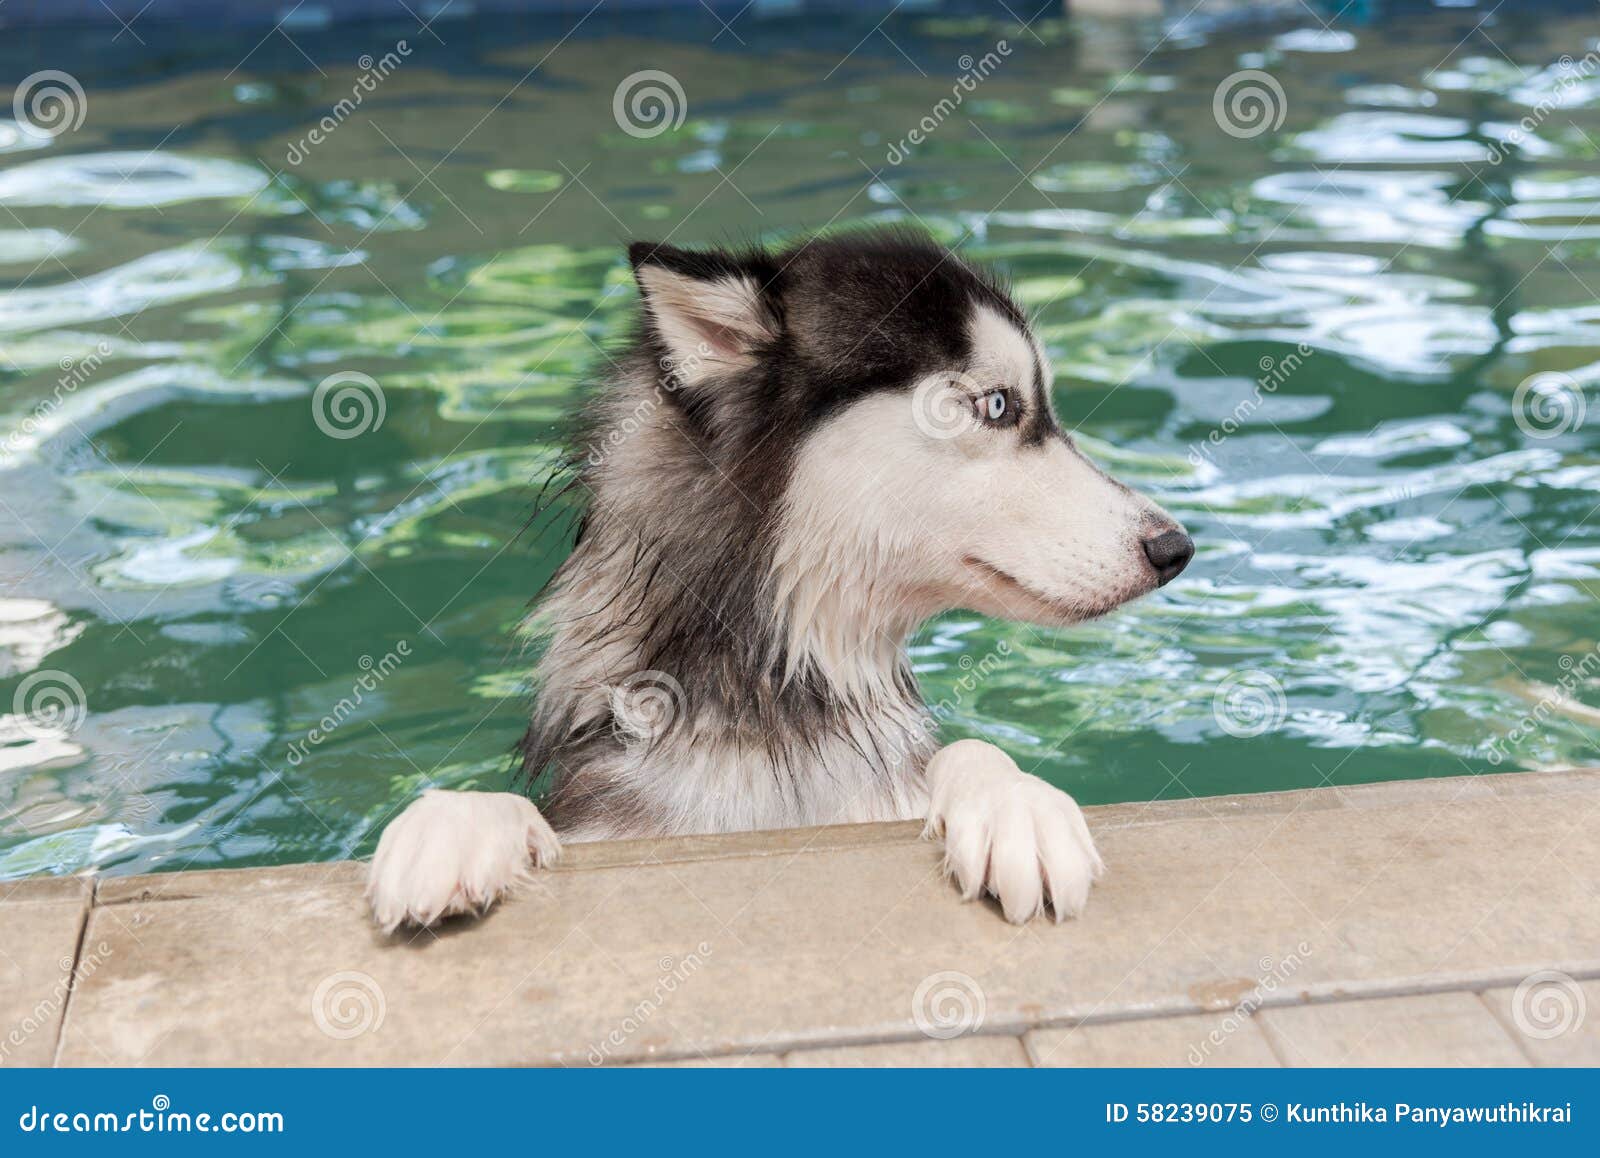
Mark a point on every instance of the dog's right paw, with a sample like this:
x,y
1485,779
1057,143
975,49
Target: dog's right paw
x,y
455,852
1009,834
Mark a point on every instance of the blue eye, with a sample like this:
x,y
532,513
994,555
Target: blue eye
x,y
993,405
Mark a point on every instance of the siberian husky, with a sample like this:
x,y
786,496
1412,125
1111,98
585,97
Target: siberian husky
x,y
802,456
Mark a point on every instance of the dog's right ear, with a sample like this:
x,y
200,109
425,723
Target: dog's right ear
x,y
712,310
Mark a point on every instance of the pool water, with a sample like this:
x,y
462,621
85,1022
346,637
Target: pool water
x,y
1355,349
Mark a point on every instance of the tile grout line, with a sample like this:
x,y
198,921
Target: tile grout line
x,y
1518,1039
87,914
1335,990
1271,1035
1021,1029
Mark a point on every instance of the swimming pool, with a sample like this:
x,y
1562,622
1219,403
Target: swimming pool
x,y
285,343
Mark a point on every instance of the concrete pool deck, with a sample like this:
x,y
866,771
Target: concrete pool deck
x,y
1381,924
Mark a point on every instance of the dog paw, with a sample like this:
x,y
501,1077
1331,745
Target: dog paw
x,y
455,852
1008,833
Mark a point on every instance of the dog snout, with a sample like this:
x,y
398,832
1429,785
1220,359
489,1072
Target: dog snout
x,y
1169,553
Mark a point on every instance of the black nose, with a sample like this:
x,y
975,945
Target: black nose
x,y
1169,553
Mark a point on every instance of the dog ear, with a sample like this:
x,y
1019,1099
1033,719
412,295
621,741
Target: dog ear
x,y
713,311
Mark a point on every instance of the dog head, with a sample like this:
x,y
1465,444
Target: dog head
x,y
888,410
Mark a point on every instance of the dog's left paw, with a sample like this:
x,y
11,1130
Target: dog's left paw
x,y
451,853
1008,833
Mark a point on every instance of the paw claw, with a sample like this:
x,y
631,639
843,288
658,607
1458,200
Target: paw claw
x,y
1023,841
453,853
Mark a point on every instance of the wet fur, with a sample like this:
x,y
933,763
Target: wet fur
x,y
724,648
672,570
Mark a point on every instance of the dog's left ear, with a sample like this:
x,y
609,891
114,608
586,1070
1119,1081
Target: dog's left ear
x,y
712,311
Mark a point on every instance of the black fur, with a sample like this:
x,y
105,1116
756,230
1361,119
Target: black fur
x,y
856,313
847,315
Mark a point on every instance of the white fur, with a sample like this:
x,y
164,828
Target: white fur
x,y
1003,353
455,852
707,325
873,491
884,523
876,493
1008,833
708,780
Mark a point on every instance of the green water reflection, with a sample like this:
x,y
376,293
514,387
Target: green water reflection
x,y
1393,571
